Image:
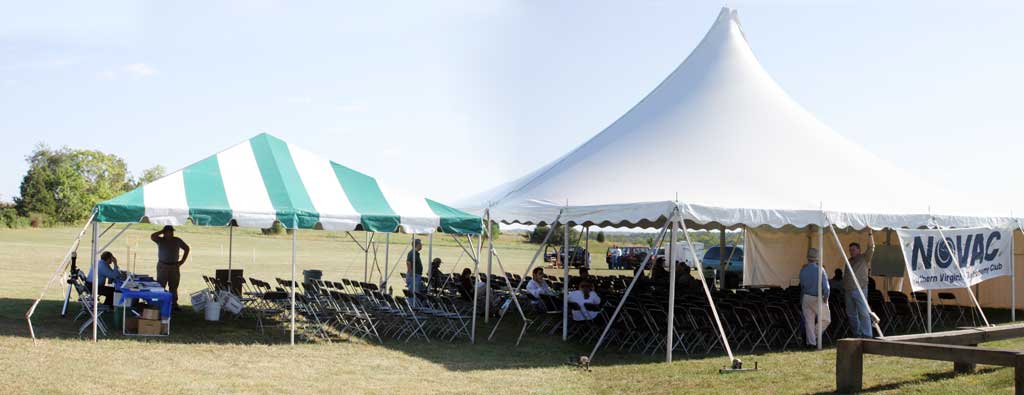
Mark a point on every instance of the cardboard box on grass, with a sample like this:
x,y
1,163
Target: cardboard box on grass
x,y
151,314
149,327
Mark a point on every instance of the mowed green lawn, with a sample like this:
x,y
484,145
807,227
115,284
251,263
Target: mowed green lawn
x,y
232,357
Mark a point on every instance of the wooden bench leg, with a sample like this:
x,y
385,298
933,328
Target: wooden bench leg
x,y
1018,375
850,366
962,367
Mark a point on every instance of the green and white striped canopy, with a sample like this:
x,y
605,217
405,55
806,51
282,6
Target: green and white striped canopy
x,y
266,179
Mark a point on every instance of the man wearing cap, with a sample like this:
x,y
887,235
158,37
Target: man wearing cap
x,y
414,268
811,278
168,267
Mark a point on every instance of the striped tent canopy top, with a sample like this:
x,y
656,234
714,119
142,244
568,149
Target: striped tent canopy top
x,y
265,179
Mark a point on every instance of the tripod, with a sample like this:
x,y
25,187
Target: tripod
x,y
71,284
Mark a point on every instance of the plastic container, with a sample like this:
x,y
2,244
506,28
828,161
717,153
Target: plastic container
x,y
212,311
199,300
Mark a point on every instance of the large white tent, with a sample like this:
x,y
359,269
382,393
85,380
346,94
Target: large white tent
x,y
771,161
766,165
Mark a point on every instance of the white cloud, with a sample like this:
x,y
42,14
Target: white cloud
x,y
139,70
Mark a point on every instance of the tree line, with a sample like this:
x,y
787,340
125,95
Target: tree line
x,y
709,238
62,185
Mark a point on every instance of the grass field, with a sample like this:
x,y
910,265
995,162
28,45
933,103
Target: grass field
x,y
232,357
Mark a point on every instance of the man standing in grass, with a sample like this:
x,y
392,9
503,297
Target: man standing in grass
x,y
168,267
856,292
414,269
616,256
811,278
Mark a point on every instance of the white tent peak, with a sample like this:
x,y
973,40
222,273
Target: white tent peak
x,y
737,149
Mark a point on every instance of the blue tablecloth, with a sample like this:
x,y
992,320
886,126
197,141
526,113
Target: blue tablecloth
x,y
148,291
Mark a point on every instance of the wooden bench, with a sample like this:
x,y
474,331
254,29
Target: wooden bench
x,y
959,347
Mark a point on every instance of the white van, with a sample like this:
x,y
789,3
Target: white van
x,y
681,253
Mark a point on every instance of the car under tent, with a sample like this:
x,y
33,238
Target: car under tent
x,y
768,168
265,180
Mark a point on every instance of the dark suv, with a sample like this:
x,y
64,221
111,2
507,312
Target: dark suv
x,y
577,255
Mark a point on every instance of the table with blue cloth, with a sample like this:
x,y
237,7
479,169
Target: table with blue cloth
x,y
143,288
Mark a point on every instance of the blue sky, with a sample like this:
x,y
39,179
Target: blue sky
x,y
452,97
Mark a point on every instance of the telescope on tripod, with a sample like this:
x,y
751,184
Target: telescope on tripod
x,y
71,283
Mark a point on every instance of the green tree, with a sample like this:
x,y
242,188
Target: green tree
x,y
538,233
65,184
600,236
495,230
149,175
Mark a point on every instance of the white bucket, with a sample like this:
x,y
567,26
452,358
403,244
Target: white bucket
x,y
213,311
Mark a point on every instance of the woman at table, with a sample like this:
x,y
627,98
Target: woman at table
x,y
106,272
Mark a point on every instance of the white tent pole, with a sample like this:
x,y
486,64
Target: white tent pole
x,y
707,292
490,257
586,246
956,261
364,249
56,274
95,278
537,253
476,289
821,258
104,232
295,232
565,282
929,311
1013,274
387,262
117,236
366,258
721,252
231,241
849,269
629,289
515,300
671,324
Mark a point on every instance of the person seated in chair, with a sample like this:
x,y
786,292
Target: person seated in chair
x,y
837,279
582,297
659,276
466,284
106,272
538,285
684,277
436,275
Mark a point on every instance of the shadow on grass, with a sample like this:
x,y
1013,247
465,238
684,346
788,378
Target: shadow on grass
x,y
926,377
537,350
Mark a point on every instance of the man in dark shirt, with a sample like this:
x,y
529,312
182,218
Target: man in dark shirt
x,y
414,268
168,267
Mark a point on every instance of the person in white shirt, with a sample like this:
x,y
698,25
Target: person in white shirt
x,y
616,256
538,285
582,297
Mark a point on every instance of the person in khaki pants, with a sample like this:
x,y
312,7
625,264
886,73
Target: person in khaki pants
x,y
168,267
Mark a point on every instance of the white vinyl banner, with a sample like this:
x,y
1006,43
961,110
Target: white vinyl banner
x,y
983,253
